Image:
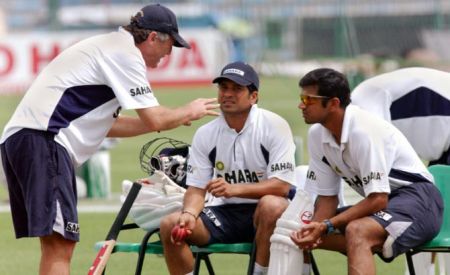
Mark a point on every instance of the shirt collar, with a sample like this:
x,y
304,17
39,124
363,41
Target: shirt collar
x,y
252,116
349,113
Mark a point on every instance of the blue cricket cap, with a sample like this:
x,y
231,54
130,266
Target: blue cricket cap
x,y
156,17
240,73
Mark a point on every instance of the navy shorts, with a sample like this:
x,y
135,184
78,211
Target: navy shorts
x,y
413,216
229,223
41,185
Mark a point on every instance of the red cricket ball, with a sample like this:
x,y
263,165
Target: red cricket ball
x,y
178,233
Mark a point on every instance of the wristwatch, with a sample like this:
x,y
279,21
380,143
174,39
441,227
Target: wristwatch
x,y
330,227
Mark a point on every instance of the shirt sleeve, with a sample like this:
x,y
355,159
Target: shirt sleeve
x,y
320,178
125,74
373,167
281,153
200,168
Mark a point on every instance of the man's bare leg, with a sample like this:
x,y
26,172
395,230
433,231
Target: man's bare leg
x,y
363,236
179,258
56,254
268,211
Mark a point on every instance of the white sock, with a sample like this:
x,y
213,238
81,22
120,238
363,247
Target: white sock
x,y
190,273
431,269
441,263
260,270
306,269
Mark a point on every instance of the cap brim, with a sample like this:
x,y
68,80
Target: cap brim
x,y
179,41
234,78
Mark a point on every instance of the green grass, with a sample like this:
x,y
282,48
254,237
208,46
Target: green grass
x,y
22,256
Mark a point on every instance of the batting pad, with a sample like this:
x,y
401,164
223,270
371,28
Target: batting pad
x,y
422,264
285,260
302,204
155,200
285,256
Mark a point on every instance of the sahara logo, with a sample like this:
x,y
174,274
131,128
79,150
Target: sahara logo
x,y
356,181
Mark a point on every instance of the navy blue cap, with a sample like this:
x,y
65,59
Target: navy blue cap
x,y
240,73
156,17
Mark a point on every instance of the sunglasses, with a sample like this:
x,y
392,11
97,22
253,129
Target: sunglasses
x,y
311,99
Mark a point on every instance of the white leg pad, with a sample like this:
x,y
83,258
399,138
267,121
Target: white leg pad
x,y
446,259
285,257
422,262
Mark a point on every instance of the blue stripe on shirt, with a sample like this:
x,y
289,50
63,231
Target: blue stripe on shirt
x,y
420,102
407,176
76,102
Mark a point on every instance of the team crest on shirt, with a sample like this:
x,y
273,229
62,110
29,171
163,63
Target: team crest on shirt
x,y
220,166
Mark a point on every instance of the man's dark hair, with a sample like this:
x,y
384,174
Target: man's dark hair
x,y
139,34
251,88
330,83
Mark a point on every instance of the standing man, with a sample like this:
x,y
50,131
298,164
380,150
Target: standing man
x,y
417,102
401,207
65,115
245,160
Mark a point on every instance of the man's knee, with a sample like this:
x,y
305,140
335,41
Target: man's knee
x,y
364,232
354,230
270,208
56,245
166,225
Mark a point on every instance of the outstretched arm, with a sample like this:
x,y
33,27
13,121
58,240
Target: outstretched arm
x,y
163,118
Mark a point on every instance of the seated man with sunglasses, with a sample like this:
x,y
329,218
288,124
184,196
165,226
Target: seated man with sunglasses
x,y
401,208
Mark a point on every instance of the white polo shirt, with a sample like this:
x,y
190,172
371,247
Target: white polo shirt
x,y
79,95
416,101
373,157
263,149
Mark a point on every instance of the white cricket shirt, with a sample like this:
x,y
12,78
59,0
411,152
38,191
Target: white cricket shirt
x,y
416,101
373,157
79,95
263,149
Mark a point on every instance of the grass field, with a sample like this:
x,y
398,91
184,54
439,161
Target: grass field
x,y
22,256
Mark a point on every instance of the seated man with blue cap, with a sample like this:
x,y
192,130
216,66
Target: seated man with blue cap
x,y
244,161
